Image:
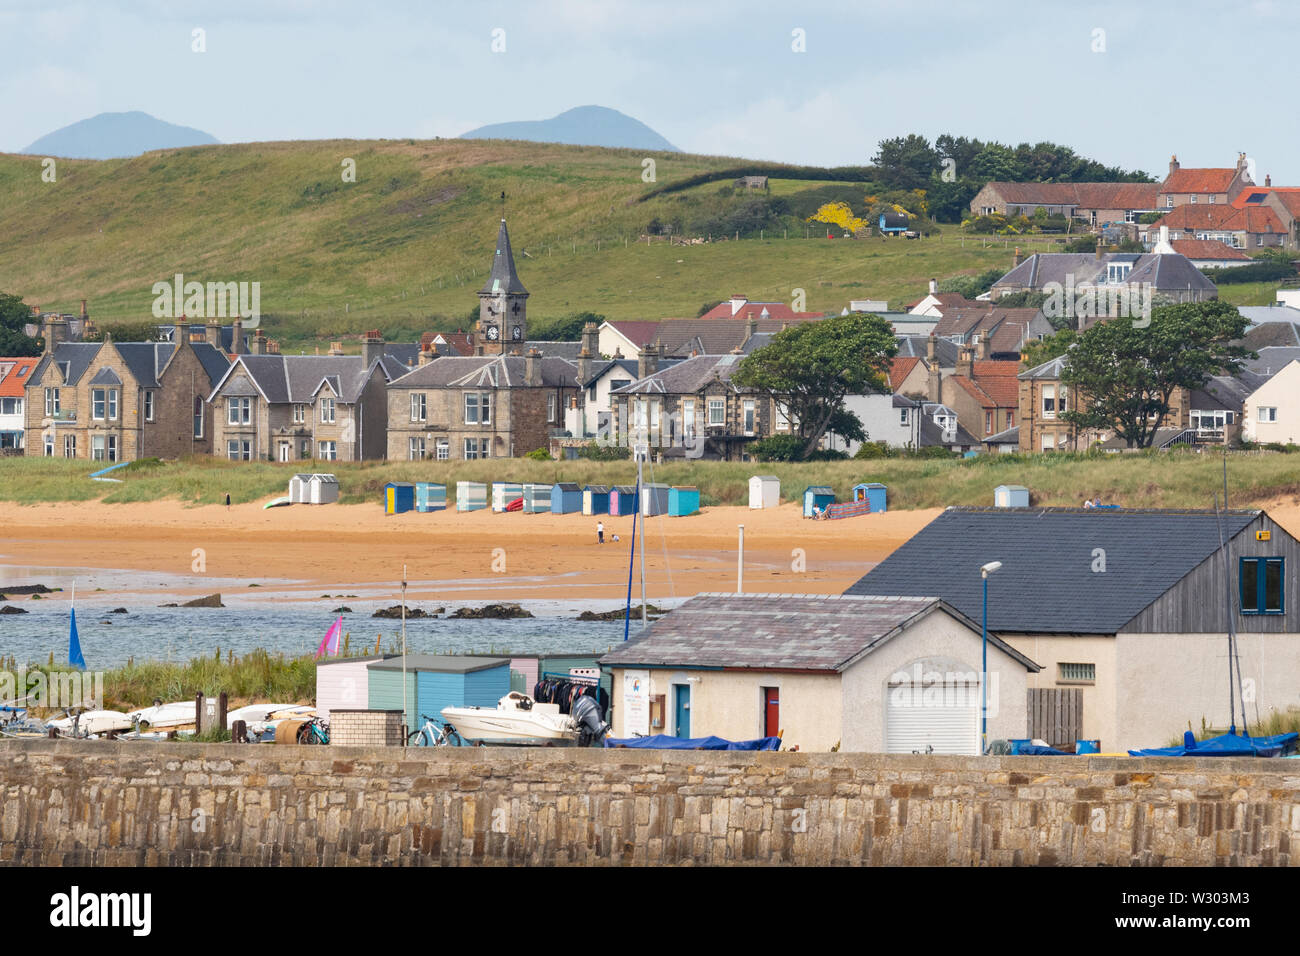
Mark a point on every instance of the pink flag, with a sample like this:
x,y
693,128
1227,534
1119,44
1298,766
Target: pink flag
x,y
330,646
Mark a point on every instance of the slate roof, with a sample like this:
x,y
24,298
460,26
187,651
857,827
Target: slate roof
x,y
945,351
1172,273
490,371
1010,436
1051,369
1271,333
106,376
503,278
686,377
1046,583
564,350
73,357
779,632
969,323
1164,272
296,378
1272,359
626,365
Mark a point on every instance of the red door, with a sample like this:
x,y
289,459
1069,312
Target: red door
x,y
771,711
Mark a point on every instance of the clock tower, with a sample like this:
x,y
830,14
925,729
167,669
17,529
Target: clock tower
x,y
503,304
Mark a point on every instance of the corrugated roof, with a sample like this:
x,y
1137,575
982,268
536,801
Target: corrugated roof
x,y
778,632
1046,583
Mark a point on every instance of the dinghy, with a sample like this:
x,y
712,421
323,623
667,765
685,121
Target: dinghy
x,y
92,722
165,716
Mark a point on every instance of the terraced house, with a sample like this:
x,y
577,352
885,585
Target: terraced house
x,y
119,401
302,407
471,407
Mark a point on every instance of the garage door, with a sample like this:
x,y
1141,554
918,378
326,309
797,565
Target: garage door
x,y
936,718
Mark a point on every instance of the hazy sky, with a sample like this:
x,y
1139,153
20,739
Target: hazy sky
x,y
1200,78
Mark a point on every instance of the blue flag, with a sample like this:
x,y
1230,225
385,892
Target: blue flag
x,y
74,645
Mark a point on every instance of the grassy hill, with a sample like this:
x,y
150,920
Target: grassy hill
x,y
407,245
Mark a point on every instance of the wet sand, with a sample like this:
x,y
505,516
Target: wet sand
x,y
303,551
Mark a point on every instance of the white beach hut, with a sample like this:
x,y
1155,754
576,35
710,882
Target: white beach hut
x,y
764,491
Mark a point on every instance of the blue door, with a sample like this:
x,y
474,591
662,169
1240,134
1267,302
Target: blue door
x,y
682,694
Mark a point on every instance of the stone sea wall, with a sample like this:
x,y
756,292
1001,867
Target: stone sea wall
x,y
140,803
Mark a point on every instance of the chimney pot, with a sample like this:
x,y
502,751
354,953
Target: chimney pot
x,y
934,287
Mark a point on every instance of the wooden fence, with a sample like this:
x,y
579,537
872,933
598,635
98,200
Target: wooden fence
x,y
1056,715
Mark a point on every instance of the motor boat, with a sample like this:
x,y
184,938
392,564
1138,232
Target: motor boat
x,y
516,719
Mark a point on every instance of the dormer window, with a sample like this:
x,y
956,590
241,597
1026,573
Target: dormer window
x,y
1117,272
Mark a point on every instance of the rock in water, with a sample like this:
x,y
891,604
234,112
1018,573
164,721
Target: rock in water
x,y
212,600
620,612
10,609
118,610
396,612
497,611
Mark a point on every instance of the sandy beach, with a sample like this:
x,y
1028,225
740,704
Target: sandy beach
x,y
309,550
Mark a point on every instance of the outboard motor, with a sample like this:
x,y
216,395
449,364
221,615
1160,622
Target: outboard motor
x,y
586,714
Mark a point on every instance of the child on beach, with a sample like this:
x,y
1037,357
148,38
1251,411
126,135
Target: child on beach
x,y
600,532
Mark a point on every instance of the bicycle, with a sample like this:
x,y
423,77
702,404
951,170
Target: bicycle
x,y
315,731
431,735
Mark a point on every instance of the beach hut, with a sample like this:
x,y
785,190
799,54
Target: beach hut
x,y
595,500
344,683
622,500
654,499
523,674
504,492
471,496
1011,496
298,489
683,501
399,496
873,493
537,498
322,490
816,496
430,496
566,498
764,491
435,681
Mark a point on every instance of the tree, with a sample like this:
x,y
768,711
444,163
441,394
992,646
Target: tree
x,y
808,369
1123,374
906,162
14,342
1035,353
839,214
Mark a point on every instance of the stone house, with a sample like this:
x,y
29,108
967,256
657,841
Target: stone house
x,y
464,408
1203,187
983,392
120,401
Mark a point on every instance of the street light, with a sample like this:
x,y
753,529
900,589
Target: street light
x,y
985,571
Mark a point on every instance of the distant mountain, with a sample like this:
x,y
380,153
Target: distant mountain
x,y
117,135
581,126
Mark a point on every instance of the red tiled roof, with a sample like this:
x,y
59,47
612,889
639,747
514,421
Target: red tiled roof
x,y
1244,197
998,379
899,369
973,390
14,383
1198,181
638,332
1219,216
1207,249
1290,199
1116,195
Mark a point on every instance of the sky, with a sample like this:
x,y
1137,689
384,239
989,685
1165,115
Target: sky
x,y
1127,84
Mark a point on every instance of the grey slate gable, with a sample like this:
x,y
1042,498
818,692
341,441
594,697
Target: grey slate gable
x,y
1046,584
781,632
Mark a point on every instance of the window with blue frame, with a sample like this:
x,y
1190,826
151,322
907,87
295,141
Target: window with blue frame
x,y
1262,585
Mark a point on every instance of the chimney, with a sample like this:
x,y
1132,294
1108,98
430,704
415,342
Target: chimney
x,y
56,331
1017,258
1164,235
1268,181
933,381
84,314
965,357
1173,165
259,342
336,348
1098,249
213,337
738,303
273,347
934,287
588,353
237,337
372,347
647,362
427,354
1241,161
181,336
533,368
982,346
929,349
751,328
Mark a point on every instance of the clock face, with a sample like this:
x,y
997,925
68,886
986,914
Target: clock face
x,y
492,333
517,333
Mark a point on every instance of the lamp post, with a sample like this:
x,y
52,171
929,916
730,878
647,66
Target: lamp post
x,y
985,571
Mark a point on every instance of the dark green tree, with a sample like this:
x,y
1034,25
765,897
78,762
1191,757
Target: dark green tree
x,y
808,369
1123,374
906,162
14,342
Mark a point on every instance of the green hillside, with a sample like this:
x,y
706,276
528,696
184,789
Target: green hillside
x,y
406,246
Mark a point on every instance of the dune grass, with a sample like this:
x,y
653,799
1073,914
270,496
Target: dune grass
x,y
1148,480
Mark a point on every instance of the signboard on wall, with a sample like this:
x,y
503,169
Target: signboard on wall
x,y
636,702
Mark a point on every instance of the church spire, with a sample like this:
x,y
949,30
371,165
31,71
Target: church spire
x,y
503,279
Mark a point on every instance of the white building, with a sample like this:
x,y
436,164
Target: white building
x,y
1272,412
14,373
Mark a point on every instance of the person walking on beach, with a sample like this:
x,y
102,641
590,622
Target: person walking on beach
x,y
600,532
227,501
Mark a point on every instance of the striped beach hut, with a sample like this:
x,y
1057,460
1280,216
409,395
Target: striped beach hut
x,y
683,501
430,496
654,499
537,498
817,496
399,496
566,498
504,492
435,681
471,496
622,500
595,500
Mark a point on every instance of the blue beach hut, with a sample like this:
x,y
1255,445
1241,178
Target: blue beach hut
x,y
622,500
399,496
683,501
537,498
818,496
566,498
873,493
595,500
430,496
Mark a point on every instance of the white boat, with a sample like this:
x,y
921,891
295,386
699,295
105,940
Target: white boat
x,y
517,718
260,714
92,722
165,716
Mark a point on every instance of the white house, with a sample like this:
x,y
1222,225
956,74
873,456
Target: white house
x,y
14,373
1272,411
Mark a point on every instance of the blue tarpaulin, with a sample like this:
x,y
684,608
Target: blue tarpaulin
x,y
1228,745
666,742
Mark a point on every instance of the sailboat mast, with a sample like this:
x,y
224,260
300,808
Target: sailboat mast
x,y
640,459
